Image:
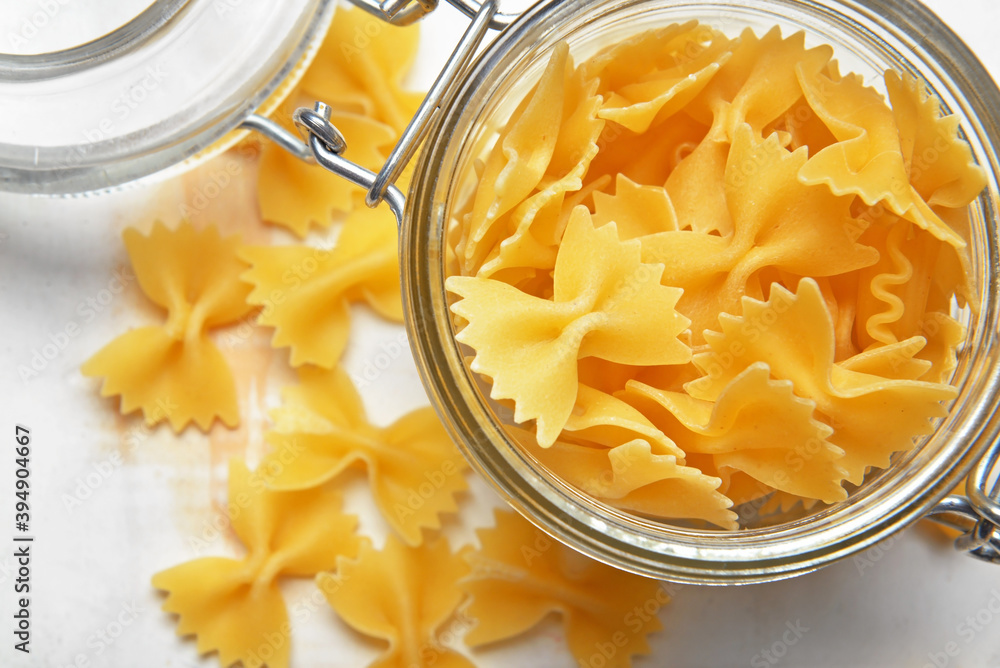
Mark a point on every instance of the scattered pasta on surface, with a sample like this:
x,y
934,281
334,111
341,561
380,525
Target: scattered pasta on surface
x,y
402,595
174,372
519,576
305,292
321,430
234,606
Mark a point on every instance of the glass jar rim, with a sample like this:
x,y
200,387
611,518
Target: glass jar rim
x,y
127,106
906,493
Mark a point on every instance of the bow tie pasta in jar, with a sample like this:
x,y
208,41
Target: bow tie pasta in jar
x,y
711,282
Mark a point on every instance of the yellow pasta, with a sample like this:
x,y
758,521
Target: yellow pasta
x,y
638,211
401,595
305,292
358,72
793,335
174,372
520,575
603,419
867,159
361,65
632,477
823,227
516,169
606,304
650,77
321,430
297,194
776,222
536,225
755,425
234,606
939,164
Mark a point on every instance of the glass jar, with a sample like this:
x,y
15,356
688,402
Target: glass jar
x,y
96,96
868,38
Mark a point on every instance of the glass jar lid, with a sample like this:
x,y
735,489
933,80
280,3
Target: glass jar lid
x,y
94,95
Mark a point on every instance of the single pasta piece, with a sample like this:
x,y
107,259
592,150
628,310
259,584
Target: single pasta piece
x,y
321,430
868,159
305,292
401,595
647,79
792,334
300,195
520,575
638,211
358,72
535,226
174,371
776,222
513,172
632,477
606,304
235,606
602,419
361,65
759,83
756,425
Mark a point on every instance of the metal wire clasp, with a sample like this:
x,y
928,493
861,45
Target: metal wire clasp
x,y
977,514
323,144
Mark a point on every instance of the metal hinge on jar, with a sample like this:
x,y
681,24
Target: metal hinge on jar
x,y
976,515
324,144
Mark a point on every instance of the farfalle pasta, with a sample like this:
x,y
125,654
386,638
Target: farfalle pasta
x,y
305,292
402,595
174,372
519,576
321,430
871,416
606,303
748,290
235,606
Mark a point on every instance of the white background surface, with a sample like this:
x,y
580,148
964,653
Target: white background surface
x,y
898,607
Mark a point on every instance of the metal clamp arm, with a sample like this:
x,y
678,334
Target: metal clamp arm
x,y
323,142
976,515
